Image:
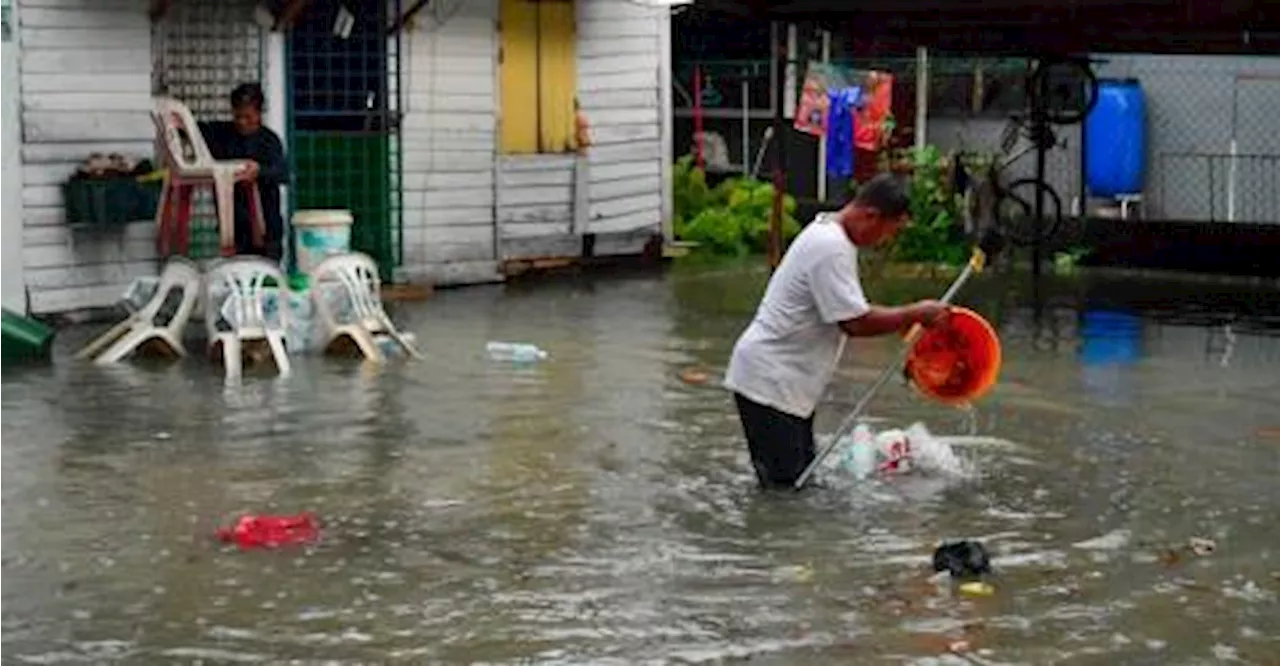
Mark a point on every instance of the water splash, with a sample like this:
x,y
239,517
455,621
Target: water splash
x,y
862,453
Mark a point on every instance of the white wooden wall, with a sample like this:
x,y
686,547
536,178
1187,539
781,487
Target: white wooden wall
x,y
448,141
620,49
14,292
86,87
465,209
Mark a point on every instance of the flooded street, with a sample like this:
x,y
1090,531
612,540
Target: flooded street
x,y
595,508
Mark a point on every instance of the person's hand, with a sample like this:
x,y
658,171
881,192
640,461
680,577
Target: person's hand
x,y
928,313
250,168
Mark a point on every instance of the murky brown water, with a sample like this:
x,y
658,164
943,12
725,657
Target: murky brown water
x,y
595,509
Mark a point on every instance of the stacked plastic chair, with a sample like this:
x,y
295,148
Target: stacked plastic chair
x,y
191,165
240,284
365,317
142,327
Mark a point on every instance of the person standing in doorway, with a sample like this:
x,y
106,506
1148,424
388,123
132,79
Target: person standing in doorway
x,y
245,138
782,363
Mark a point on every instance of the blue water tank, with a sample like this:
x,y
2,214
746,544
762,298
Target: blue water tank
x,y
1116,139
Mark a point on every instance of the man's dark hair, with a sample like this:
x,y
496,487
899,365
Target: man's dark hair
x,y
886,193
247,93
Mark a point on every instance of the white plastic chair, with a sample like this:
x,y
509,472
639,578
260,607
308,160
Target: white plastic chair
x,y
140,327
191,165
242,314
358,275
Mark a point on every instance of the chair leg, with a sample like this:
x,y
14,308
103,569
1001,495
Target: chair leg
x,y
231,358
105,340
278,352
224,191
163,218
181,231
364,339
125,345
257,218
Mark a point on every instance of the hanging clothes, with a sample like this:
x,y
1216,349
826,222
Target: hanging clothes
x,y
843,103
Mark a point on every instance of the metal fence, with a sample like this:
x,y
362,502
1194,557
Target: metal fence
x,y
1213,135
1217,187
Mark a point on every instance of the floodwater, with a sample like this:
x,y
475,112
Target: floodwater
x,y
597,509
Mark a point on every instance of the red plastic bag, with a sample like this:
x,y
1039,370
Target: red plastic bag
x,y
270,531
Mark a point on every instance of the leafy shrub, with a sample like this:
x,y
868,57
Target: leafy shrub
x,y
731,219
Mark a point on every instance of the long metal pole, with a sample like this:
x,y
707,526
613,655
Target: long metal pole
x,y
1039,122
822,140
780,144
975,264
922,97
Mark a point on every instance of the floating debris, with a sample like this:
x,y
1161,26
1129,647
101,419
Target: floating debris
x,y
1201,546
695,376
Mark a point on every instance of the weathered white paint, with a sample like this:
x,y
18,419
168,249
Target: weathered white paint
x,y
12,280
624,54
274,76
532,205
665,104
86,86
448,135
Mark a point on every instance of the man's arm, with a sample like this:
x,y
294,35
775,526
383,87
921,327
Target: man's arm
x,y
882,320
273,169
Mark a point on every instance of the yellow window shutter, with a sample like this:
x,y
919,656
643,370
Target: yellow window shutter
x,y
518,21
557,74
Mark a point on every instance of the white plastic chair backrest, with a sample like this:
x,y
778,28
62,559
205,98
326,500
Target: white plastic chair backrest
x,y
179,272
178,129
245,281
359,276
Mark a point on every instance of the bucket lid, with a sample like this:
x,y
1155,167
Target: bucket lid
x,y
319,218
956,361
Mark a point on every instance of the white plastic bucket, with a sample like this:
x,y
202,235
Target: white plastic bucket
x,y
319,234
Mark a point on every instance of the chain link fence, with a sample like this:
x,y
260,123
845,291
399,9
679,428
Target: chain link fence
x,y
1213,135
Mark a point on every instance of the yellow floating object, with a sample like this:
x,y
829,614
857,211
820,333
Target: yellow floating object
x,y
977,589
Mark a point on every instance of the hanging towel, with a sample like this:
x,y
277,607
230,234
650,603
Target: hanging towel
x,y
840,131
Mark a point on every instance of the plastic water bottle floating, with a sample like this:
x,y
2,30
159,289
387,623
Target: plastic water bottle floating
x,y
518,352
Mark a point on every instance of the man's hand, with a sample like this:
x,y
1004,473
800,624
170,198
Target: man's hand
x,y
928,313
250,168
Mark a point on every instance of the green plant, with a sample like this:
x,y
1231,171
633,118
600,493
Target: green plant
x,y
731,219
1067,261
689,192
933,235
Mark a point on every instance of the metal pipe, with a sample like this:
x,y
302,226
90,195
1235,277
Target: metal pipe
x,y
779,149
922,97
746,124
822,140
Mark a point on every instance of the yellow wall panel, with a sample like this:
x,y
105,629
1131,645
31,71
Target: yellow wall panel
x,y
557,74
518,21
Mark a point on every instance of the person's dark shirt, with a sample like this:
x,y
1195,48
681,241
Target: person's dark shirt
x,y
265,148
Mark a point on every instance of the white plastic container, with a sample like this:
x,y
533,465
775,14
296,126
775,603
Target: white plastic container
x,y
320,233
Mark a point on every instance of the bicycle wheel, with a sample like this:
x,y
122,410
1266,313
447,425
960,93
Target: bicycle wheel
x,y
1016,211
1066,86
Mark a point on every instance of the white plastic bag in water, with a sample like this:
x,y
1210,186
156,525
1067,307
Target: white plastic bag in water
x,y
867,453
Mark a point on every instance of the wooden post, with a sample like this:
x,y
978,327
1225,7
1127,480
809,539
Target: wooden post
x,y
780,144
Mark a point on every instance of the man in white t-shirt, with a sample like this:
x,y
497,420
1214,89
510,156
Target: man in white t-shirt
x,y
782,363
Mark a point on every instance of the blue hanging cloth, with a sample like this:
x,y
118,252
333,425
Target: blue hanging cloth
x,y
840,131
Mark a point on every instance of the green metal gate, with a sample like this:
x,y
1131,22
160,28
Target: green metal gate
x,y
344,102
